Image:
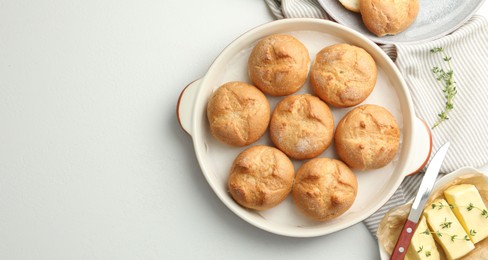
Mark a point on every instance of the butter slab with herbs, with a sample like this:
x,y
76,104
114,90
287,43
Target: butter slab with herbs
x,y
469,209
422,245
447,229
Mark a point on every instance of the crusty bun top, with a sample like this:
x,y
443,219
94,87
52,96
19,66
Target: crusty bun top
x,y
238,113
324,188
367,137
388,17
279,65
261,177
302,126
343,75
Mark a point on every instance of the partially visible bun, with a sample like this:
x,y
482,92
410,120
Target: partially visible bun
x,y
367,137
238,113
302,126
324,188
343,75
351,5
279,65
261,177
388,17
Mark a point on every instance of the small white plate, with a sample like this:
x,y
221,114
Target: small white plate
x,y
465,171
436,18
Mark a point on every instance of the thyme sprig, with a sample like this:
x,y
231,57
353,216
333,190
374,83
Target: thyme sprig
x,y
448,83
440,206
484,212
440,234
446,224
469,207
452,237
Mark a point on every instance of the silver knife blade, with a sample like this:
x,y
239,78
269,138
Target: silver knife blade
x,y
427,183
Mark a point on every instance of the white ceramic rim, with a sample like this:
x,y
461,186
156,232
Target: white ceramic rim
x,y
296,24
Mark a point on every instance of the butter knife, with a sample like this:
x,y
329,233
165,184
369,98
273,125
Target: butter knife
x,y
419,203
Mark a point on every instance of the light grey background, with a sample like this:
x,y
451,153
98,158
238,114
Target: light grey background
x,y
93,164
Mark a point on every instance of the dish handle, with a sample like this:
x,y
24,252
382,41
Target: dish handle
x,y
184,107
421,147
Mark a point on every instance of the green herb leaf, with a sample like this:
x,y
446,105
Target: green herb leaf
x,y
484,213
420,249
437,49
446,224
472,232
448,83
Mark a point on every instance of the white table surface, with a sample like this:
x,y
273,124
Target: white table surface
x,y
93,164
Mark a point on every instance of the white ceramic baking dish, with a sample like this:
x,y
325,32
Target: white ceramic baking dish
x,y
374,187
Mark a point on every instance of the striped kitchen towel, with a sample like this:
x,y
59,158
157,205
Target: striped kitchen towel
x,y
467,127
296,9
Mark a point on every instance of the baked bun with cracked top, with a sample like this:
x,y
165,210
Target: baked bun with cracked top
x,y
388,17
302,126
279,65
367,137
324,188
261,177
343,75
238,113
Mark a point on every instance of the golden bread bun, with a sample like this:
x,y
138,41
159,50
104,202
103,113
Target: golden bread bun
x,y
238,113
351,5
343,75
279,65
324,188
261,177
388,17
367,137
302,126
